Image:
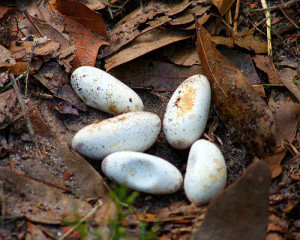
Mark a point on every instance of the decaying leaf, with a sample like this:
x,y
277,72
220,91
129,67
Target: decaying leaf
x,y
8,108
144,44
158,76
83,15
265,64
288,77
86,42
37,201
287,117
223,5
244,62
241,211
249,42
187,15
55,79
140,21
246,115
6,59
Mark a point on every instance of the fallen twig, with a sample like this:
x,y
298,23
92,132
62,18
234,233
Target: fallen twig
x,y
269,23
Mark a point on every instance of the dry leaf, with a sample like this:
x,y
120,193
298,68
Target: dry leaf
x,y
158,76
223,5
140,21
246,115
265,64
187,15
145,43
288,77
37,201
241,211
8,108
83,15
86,42
6,59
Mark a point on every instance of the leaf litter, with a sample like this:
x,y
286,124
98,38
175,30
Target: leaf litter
x,y
52,166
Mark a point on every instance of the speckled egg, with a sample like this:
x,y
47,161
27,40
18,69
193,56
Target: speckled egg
x,y
102,91
206,173
142,172
133,131
187,112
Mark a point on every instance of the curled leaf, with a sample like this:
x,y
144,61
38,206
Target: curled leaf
x,y
246,115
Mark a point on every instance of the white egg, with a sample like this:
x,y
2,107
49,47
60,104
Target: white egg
x,y
187,112
133,131
102,91
205,172
142,172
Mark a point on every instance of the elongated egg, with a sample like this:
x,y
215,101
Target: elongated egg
x,y
133,131
142,172
187,112
100,90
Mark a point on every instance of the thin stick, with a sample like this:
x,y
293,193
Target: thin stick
x,y
269,23
236,15
275,7
82,220
290,20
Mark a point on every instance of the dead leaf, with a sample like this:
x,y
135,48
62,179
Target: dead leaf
x,y
143,44
6,59
141,21
241,211
203,19
246,115
251,43
8,108
83,15
158,76
187,16
66,52
86,42
287,116
265,63
55,79
38,202
288,77
223,5
244,62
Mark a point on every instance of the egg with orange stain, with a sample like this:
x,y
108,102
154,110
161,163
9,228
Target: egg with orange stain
x,y
187,112
102,91
133,131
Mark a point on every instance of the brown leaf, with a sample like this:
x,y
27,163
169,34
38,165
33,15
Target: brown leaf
x,y
287,116
187,15
241,211
145,44
141,21
223,5
265,64
158,76
83,15
246,115
8,108
288,77
54,78
6,59
244,62
86,42
38,202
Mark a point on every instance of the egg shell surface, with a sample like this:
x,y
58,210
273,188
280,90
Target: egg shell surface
x,y
187,112
100,90
133,131
142,172
206,173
